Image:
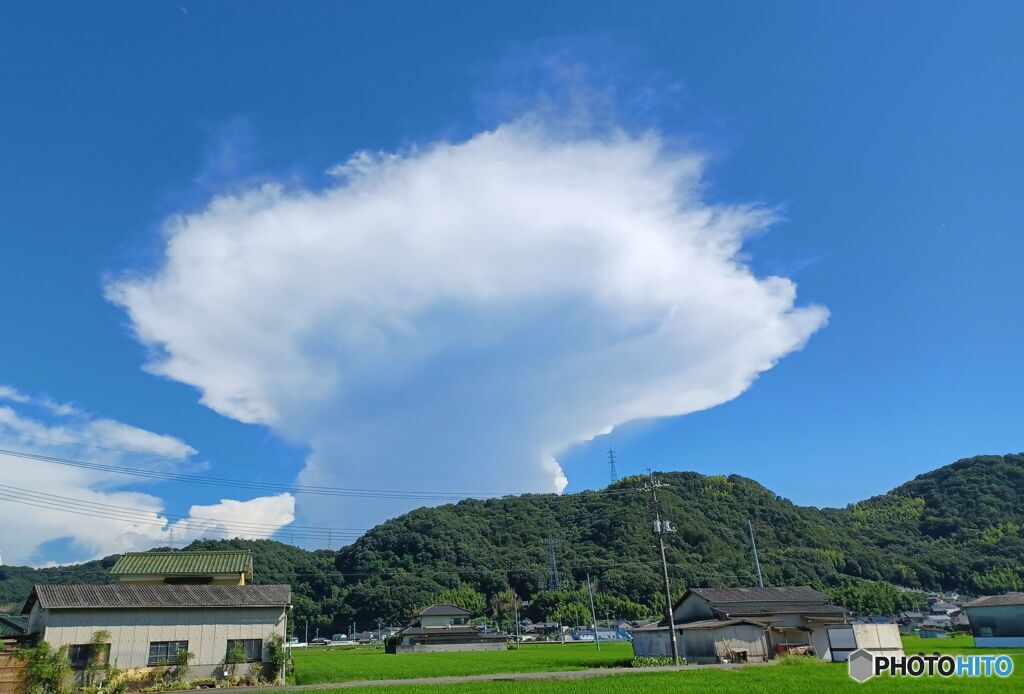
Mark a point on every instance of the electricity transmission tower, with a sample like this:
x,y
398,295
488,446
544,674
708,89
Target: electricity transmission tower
x,y
553,582
611,464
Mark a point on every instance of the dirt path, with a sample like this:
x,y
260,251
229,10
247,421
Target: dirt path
x,y
495,677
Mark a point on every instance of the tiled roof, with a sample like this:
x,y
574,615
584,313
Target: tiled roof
x,y
996,600
443,611
453,633
700,624
121,596
13,626
184,563
756,609
771,594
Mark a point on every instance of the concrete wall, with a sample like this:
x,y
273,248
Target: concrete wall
x,y
445,647
131,631
441,621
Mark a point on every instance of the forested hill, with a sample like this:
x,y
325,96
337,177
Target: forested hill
x,y
958,527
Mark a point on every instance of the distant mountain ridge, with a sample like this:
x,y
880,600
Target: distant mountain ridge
x,y
955,528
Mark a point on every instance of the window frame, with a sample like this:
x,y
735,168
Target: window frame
x,y
80,655
245,646
170,658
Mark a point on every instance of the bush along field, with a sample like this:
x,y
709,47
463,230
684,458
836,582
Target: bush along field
x,y
793,674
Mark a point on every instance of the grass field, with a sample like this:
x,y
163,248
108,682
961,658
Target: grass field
x,y
793,675
323,665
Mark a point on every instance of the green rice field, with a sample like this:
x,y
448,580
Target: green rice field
x,y
324,665
790,675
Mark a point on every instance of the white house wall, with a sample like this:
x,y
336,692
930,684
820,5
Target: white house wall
x,y
131,631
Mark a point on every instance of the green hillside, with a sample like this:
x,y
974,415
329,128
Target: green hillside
x,y
958,527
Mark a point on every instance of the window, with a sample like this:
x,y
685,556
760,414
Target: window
x,y
458,620
253,649
165,651
81,655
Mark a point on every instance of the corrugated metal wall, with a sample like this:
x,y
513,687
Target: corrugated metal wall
x,y
206,630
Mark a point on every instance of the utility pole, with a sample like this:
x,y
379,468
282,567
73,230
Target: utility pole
x,y
515,614
307,632
757,562
660,529
593,614
611,465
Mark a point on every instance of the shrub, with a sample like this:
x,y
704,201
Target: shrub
x,y
651,661
48,669
277,653
181,664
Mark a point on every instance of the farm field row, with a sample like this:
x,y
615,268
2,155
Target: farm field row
x,y
791,675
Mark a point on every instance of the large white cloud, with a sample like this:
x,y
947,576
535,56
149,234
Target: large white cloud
x,y
92,509
466,309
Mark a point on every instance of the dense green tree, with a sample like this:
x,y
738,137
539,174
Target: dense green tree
x,y
465,596
958,527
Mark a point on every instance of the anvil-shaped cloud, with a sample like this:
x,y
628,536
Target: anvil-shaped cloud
x,y
466,309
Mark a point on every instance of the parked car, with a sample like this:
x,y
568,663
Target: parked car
x,y
320,641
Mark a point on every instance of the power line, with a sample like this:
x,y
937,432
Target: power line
x,y
252,484
250,466
150,518
22,490
273,486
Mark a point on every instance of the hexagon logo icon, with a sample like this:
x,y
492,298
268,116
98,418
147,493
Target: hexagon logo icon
x,y
862,665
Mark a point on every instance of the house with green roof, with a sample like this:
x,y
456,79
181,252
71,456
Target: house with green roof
x,y
163,604
226,568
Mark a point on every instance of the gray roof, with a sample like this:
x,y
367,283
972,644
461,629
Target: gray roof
x,y
757,594
443,632
996,600
443,611
761,609
122,596
701,624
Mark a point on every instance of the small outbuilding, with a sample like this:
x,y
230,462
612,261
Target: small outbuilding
x,y
997,621
737,624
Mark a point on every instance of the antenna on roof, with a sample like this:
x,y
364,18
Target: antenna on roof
x,y
611,464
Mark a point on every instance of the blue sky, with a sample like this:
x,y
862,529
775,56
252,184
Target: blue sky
x,y
887,139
